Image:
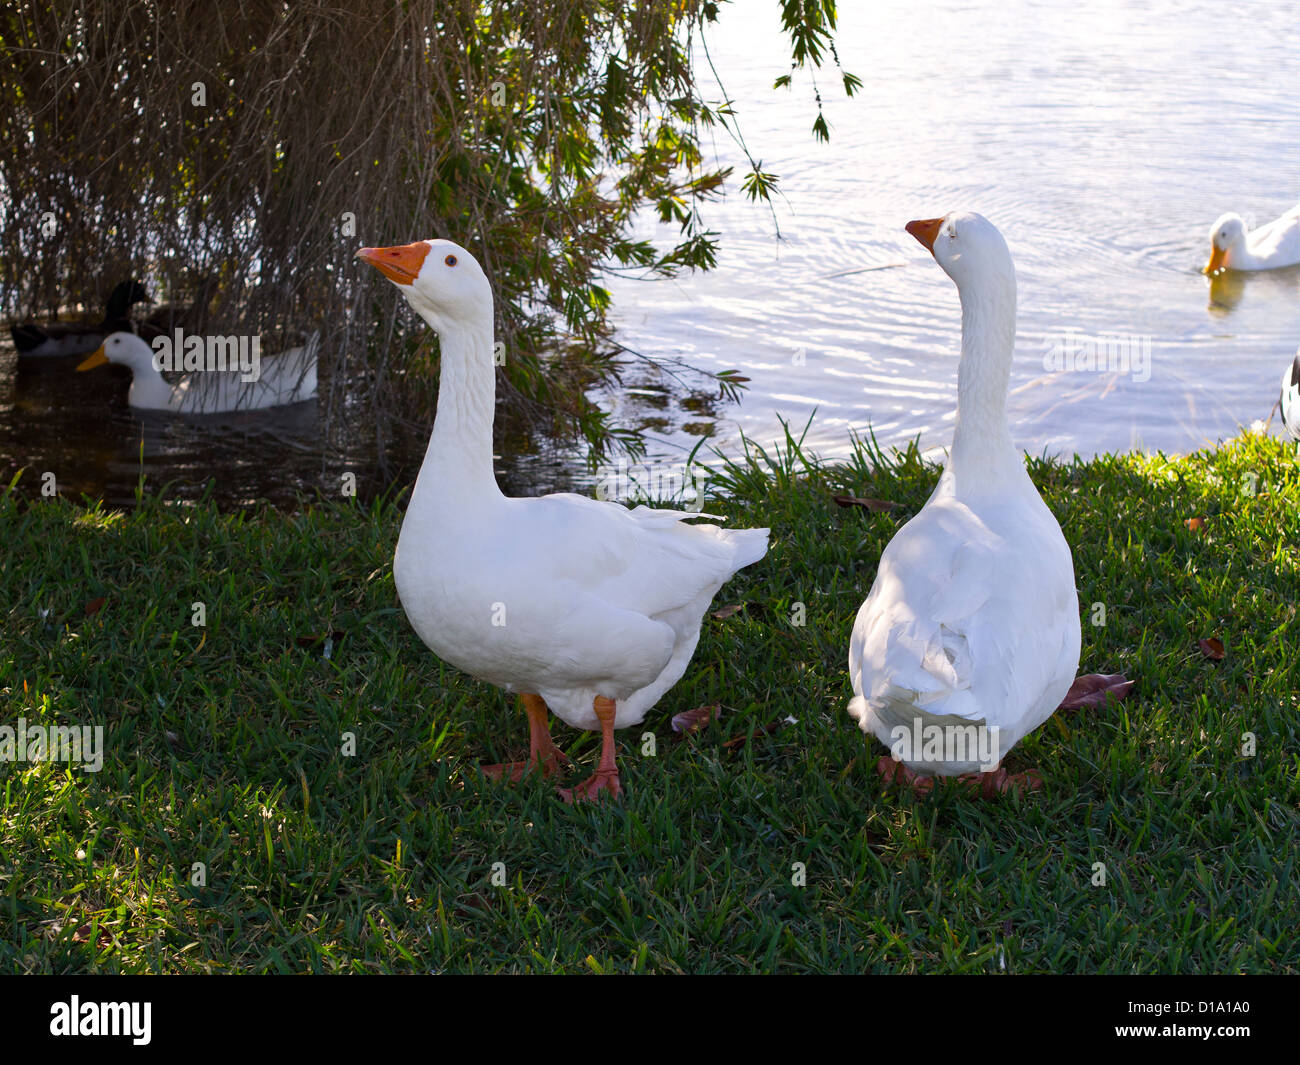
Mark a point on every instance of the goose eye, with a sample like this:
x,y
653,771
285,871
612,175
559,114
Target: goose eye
x,y
450,260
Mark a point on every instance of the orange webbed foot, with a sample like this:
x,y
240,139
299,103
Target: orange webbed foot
x,y
985,785
896,772
513,772
543,755
595,788
604,782
999,782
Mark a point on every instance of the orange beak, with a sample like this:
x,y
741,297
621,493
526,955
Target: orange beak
x,y
400,263
1218,257
925,230
95,358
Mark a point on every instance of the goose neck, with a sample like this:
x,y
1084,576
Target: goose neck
x,y
982,447
459,457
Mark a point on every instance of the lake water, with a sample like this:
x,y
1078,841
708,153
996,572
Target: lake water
x,y
1103,140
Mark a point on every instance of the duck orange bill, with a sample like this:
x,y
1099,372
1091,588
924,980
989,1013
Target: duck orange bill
x,y
400,263
1217,258
925,230
95,358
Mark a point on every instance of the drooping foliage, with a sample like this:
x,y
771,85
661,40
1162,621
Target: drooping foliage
x,y
246,150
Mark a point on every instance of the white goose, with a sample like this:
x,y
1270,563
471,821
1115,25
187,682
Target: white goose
x,y
281,379
973,618
582,606
1290,399
1266,248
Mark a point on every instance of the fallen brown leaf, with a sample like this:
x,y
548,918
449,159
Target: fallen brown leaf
x,y
728,611
864,502
1194,524
1095,689
95,606
1213,649
82,935
694,720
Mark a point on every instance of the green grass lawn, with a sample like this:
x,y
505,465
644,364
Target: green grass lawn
x,y
223,746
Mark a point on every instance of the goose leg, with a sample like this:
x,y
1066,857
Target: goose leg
x,y
605,779
542,752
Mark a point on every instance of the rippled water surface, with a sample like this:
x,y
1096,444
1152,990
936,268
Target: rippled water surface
x,y
1103,140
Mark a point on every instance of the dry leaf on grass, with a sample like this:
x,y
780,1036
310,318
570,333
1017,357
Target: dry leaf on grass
x,y
1213,649
728,611
694,720
95,606
103,939
1096,689
1194,524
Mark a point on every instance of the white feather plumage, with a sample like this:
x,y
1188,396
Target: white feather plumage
x,y
973,617
561,595
1290,398
283,379
1234,246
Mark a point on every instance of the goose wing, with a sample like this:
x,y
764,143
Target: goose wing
x,y
647,560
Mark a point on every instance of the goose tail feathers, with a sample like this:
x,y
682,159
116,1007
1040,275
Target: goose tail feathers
x,y
749,545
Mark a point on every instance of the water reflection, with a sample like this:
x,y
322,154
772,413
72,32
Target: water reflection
x,y
1095,141
1269,287
80,428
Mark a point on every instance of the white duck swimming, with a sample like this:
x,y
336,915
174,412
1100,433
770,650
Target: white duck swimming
x,y
271,381
579,605
1266,248
973,618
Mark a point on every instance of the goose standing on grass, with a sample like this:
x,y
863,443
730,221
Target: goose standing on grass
x,y
63,338
282,379
1266,248
580,606
973,618
1290,399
